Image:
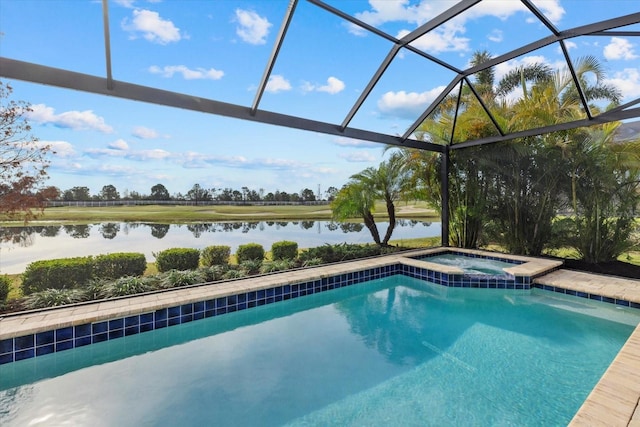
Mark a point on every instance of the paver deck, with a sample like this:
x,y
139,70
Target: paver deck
x,y
614,401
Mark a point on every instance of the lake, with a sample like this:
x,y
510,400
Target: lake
x,y
19,246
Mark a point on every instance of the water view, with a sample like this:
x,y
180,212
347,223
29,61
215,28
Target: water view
x,y
20,246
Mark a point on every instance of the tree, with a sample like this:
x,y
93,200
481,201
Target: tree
x,y
159,192
605,178
197,194
307,195
109,193
354,200
23,161
389,182
76,194
331,192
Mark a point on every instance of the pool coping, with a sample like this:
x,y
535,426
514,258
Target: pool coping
x,y
615,398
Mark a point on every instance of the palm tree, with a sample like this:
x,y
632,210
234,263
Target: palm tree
x,y
606,190
357,198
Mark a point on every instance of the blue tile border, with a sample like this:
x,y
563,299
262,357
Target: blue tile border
x,y
620,302
42,343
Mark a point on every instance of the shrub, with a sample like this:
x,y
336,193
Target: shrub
x,y
284,250
126,286
53,298
177,259
66,273
277,265
215,255
312,262
177,278
5,285
113,266
234,274
251,266
341,252
249,251
214,273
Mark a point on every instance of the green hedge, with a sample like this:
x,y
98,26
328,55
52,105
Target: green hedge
x,y
250,252
66,273
70,273
5,284
284,250
177,259
114,266
215,255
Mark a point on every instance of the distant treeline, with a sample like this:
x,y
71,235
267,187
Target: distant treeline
x,y
196,195
124,202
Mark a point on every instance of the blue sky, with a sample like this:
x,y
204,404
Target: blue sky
x,y
218,50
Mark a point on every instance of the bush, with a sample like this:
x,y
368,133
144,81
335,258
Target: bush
x,y
53,298
215,255
5,285
249,252
214,273
126,286
66,273
277,265
177,259
234,274
284,250
113,266
177,278
251,266
341,252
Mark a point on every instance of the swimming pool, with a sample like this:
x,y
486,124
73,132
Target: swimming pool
x,y
393,351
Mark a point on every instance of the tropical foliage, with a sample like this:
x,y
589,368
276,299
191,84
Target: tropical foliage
x,y
513,193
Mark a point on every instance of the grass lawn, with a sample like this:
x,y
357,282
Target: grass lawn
x,y
186,214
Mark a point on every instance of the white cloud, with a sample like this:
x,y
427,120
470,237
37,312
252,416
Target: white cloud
x,y
277,83
358,157
628,81
448,36
61,148
348,142
568,44
156,154
333,86
187,73
407,104
619,48
120,149
495,36
125,3
445,38
119,144
383,11
144,132
152,26
77,120
252,28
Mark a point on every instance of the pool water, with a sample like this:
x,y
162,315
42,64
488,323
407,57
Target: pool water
x,y
470,265
394,351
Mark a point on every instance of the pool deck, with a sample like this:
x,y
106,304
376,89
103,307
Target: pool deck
x,y
615,401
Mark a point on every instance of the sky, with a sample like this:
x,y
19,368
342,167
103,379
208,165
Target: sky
x,y
219,50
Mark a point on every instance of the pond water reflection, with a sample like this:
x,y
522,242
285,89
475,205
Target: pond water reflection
x,y
20,246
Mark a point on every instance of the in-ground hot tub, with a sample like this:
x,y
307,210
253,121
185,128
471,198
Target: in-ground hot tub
x,y
478,269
